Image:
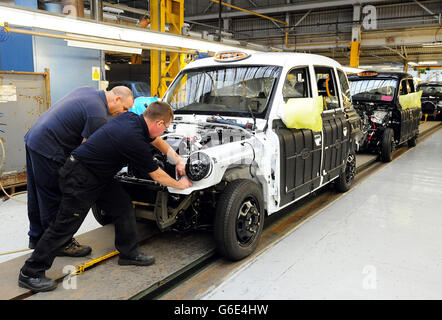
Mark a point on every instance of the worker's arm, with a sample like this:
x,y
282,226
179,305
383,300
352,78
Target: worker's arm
x,y
165,149
164,179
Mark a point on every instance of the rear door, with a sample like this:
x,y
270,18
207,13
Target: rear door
x,y
300,159
335,125
410,118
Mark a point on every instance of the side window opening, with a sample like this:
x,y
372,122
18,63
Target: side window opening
x,y
345,88
296,84
403,88
327,87
410,85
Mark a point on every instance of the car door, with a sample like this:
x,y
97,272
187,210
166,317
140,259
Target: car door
x,y
300,149
415,113
335,125
410,117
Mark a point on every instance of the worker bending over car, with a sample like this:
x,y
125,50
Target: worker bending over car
x,y
87,178
51,140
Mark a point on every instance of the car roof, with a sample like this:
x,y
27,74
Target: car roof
x,y
392,74
283,59
429,84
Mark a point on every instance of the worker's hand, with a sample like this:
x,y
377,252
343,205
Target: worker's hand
x,y
181,167
184,183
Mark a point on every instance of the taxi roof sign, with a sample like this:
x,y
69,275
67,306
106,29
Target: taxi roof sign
x,y
229,56
367,74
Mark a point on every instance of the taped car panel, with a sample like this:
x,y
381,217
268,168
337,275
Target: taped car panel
x,y
303,113
410,100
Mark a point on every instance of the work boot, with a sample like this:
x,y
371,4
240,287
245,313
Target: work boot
x,y
73,249
138,259
36,284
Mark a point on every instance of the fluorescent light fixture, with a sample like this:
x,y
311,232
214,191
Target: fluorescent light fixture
x,y
432,44
105,47
428,62
411,63
58,22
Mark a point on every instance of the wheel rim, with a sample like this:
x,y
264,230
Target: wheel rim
x,y
248,221
350,168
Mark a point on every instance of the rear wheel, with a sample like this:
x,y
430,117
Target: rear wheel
x,y
346,178
239,219
387,145
100,215
412,141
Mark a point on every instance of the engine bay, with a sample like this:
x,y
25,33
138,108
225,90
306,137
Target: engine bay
x,y
188,138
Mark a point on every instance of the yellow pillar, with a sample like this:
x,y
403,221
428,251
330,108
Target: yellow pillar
x,y
162,73
354,54
355,37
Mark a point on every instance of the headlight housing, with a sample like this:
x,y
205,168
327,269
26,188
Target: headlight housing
x,y
198,166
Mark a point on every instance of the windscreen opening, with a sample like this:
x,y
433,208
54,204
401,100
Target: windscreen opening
x,y
224,90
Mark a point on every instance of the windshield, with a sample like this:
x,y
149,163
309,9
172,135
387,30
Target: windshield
x,y
373,89
224,90
431,89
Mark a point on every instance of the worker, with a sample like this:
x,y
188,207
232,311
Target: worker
x,y
50,141
87,178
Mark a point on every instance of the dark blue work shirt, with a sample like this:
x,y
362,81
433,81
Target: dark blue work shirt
x,y
123,140
62,128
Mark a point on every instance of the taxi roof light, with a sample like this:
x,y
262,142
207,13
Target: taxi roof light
x,y
367,73
229,56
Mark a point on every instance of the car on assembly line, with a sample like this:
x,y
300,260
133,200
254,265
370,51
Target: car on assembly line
x,y
259,131
139,88
390,109
431,99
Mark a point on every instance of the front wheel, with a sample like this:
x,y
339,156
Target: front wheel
x,y
239,219
387,145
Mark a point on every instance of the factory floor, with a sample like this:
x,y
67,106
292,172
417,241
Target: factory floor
x,y
381,240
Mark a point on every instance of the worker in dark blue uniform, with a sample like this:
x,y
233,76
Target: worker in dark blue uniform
x,y
87,178
50,141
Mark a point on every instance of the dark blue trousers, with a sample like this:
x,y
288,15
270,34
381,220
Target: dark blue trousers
x,y
44,193
81,189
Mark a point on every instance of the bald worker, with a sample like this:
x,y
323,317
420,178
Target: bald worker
x,y
58,131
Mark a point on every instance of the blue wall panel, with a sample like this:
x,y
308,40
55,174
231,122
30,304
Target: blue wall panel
x,y
69,67
16,53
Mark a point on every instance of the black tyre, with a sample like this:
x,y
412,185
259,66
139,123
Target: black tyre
x,y
412,141
387,145
100,215
239,219
345,180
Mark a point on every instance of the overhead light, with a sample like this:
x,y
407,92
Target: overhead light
x,y
411,63
432,44
105,47
31,18
427,62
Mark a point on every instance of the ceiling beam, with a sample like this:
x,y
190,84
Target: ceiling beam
x,y
303,6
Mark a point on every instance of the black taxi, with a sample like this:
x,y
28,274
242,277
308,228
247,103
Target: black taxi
x,y
431,99
390,108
